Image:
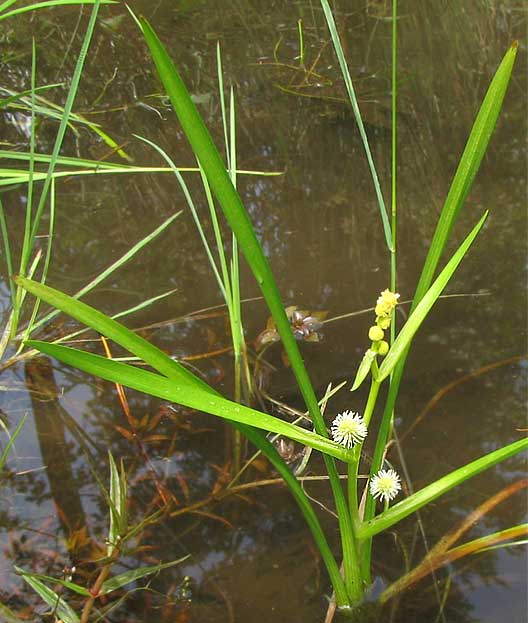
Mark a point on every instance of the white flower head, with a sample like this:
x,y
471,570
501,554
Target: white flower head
x,y
385,485
348,429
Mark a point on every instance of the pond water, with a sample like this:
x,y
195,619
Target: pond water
x,y
251,557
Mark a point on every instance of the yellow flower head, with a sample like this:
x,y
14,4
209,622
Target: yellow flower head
x,y
386,302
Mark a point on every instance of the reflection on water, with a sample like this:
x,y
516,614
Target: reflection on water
x,y
251,554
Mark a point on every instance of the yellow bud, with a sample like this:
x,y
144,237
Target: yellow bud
x,y
375,333
382,322
380,310
383,348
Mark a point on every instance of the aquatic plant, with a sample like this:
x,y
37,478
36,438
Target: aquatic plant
x,y
120,533
384,359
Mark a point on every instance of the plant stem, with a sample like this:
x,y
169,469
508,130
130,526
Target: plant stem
x,y
395,378
353,467
394,220
98,584
353,473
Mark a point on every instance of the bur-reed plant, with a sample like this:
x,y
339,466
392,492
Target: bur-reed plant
x,y
357,513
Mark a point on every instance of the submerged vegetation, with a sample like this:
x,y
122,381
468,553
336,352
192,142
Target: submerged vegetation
x,y
373,495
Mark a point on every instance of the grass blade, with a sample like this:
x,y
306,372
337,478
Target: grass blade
x,y
113,267
357,114
115,503
48,4
192,207
24,260
47,259
7,250
5,451
16,96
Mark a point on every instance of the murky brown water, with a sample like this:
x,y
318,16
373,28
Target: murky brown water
x,y
252,558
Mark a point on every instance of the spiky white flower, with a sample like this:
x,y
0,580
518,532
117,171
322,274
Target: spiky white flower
x,y
385,485
348,428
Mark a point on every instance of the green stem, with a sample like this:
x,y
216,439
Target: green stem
x,y
353,473
353,467
394,220
395,379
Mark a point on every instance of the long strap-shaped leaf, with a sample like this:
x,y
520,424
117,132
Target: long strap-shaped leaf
x,y
429,493
238,219
187,394
467,169
412,325
231,204
177,373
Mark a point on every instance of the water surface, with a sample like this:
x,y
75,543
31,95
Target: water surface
x,y
251,556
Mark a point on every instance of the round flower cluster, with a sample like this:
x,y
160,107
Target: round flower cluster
x,y
348,429
385,305
385,485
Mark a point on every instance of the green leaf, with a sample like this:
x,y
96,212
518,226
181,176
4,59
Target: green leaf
x,y
412,325
188,394
239,222
467,168
53,600
231,204
117,510
112,330
429,493
175,371
49,4
72,586
5,452
357,114
364,368
136,574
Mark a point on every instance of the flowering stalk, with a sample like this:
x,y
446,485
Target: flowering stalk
x,y
353,466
